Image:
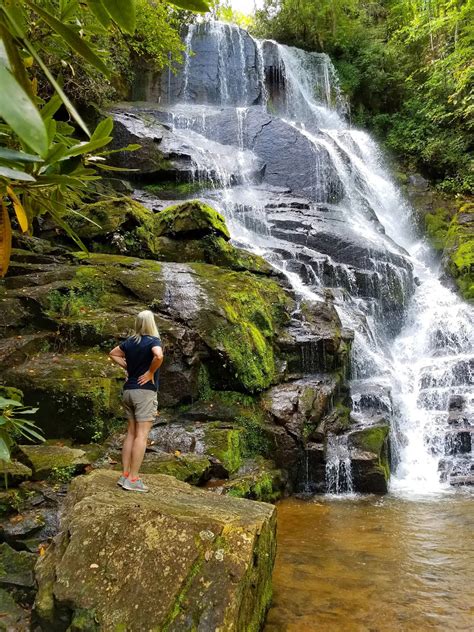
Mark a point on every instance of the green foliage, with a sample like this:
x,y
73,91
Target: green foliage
x,y
62,474
406,67
54,53
13,426
77,300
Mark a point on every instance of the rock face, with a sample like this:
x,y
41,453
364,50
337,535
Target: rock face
x,y
195,559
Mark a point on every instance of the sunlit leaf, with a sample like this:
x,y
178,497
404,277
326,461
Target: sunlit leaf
x,y
85,148
4,450
19,210
11,155
103,129
19,111
14,174
192,5
122,13
98,9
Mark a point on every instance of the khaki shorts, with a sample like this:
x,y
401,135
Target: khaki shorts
x,y
140,404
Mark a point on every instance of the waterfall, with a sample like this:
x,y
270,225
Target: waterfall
x,y
333,219
338,466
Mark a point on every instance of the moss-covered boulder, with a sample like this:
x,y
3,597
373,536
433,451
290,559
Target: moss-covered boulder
x,y
449,225
459,250
12,616
257,479
369,453
45,460
16,567
198,560
225,444
78,392
242,326
119,225
191,468
190,220
13,472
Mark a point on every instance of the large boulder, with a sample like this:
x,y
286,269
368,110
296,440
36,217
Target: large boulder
x,y
191,560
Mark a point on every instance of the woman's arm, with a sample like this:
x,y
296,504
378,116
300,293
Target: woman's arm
x,y
118,356
154,366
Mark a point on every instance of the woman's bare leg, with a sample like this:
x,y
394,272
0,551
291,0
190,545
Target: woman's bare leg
x,y
139,447
127,447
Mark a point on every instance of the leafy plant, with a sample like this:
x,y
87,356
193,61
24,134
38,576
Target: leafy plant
x,y
62,474
13,426
44,166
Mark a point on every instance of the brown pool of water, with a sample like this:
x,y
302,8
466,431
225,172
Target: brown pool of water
x,y
374,564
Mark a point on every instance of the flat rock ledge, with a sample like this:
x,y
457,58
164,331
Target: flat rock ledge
x,y
178,558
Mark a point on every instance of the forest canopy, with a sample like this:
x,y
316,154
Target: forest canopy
x,y
407,67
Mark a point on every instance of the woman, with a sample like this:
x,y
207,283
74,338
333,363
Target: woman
x,y
141,356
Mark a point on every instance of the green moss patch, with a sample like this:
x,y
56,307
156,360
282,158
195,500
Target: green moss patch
x,y
190,220
225,444
250,310
453,234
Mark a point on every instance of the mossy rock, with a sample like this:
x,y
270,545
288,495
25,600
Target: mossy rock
x,y
212,249
121,225
16,567
213,554
370,439
459,250
78,393
190,468
14,471
12,616
452,233
190,220
264,483
225,444
370,458
46,459
248,313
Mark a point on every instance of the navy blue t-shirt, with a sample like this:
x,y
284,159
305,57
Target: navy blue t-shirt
x,y
139,356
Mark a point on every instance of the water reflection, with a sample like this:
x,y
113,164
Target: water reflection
x,y
375,565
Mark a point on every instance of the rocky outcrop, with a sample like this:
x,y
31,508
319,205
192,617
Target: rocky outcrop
x,y
218,69
195,559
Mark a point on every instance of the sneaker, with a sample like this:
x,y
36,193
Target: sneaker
x,y
121,480
135,486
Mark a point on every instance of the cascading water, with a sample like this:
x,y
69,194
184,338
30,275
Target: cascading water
x,y
323,210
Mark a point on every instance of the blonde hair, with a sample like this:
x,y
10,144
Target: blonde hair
x,y
145,325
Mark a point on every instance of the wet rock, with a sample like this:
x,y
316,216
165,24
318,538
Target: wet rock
x,y
257,480
21,526
369,454
45,459
79,392
191,468
191,220
214,556
13,618
218,71
296,404
15,471
16,567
